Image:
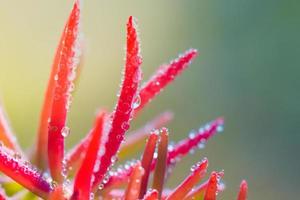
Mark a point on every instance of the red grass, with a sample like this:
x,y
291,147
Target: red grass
x,y
212,187
195,139
198,172
161,164
147,160
134,185
122,113
163,76
243,191
23,173
91,160
82,183
62,93
60,65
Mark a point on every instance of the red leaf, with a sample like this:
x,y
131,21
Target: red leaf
x,y
198,172
163,76
194,140
82,183
122,113
147,160
63,53
212,187
199,191
20,171
161,165
68,60
133,189
6,135
243,191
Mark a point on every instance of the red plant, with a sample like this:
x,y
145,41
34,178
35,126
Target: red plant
x,y
86,171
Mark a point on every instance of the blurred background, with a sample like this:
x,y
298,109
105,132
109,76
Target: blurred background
x,y
247,71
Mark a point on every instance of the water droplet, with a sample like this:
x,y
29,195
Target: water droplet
x,y
202,143
192,135
65,131
220,128
193,168
113,159
192,151
125,126
137,102
56,77
101,186
92,196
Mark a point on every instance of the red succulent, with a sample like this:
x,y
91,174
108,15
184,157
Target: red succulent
x,y
86,171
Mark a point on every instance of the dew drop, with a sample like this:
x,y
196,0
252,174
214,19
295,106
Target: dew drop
x,y
125,126
65,131
92,196
220,128
202,143
192,135
113,159
192,151
101,186
193,168
137,102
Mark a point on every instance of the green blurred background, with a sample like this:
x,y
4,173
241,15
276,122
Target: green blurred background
x,y
247,71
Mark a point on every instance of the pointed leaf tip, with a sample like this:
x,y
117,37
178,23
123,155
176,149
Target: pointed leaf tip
x,y
161,164
147,161
66,72
164,76
122,115
64,46
197,173
212,187
195,139
243,191
133,189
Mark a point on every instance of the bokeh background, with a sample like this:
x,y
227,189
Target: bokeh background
x,y
247,71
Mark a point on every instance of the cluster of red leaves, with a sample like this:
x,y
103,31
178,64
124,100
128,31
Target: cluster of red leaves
x,y
87,167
